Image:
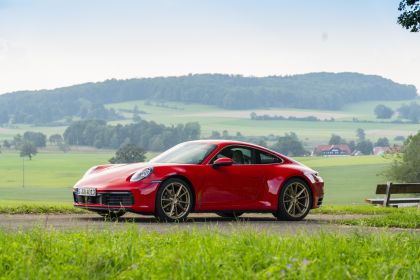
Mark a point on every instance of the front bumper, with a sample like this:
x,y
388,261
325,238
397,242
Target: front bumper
x,y
139,199
318,194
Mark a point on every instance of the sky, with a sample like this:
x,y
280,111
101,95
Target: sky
x,y
53,43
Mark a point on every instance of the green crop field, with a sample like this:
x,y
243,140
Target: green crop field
x,y
50,176
194,254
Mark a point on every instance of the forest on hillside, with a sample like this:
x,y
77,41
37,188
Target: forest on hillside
x,y
314,90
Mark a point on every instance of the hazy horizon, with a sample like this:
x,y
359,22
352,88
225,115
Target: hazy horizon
x,y
48,44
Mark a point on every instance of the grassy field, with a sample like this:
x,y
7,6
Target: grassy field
x,y
214,118
130,254
50,176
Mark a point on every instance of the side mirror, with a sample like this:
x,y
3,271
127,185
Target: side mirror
x,y
224,161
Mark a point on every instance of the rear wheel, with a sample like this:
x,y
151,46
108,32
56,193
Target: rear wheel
x,y
174,201
229,214
294,201
112,214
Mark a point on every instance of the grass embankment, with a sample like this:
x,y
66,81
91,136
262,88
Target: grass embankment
x,y
378,216
401,218
19,207
41,254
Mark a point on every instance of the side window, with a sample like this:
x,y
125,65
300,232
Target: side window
x,y
266,158
239,154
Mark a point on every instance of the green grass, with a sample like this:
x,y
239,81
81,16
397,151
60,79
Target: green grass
x,y
365,110
50,176
37,207
401,218
130,254
312,133
367,209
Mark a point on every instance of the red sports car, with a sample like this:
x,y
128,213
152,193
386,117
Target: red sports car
x,y
225,177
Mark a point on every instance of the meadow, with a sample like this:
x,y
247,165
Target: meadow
x,y
49,176
212,118
198,254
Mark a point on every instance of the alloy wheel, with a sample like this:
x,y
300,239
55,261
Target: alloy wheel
x,y
175,200
296,199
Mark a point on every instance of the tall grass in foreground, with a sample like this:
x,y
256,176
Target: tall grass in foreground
x,y
131,254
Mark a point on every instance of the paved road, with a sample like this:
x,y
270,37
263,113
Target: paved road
x,y
314,223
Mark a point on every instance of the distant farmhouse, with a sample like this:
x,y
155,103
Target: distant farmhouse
x,y
332,150
386,150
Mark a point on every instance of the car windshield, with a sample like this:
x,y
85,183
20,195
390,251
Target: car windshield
x,y
189,152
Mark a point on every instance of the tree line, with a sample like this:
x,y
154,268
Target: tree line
x,y
409,112
314,90
146,134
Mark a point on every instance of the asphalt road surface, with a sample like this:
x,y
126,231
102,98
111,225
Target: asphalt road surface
x,y
314,223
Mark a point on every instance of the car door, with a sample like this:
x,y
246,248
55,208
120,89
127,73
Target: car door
x,y
233,187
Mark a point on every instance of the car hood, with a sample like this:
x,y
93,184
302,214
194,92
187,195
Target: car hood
x,y
115,174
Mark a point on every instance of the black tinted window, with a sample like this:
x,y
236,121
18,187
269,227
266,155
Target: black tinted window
x,y
239,154
266,158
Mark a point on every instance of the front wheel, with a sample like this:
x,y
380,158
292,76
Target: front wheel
x,y
174,201
294,201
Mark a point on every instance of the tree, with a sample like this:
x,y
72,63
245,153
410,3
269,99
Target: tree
x,y
360,134
382,142
37,138
405,167
410,112
383,112
136,114
336,139
28,149
410,16
56,139
6,144
365,146
17,141
129,153
290,145
352,145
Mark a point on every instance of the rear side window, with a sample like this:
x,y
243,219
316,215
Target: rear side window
x,y
266,158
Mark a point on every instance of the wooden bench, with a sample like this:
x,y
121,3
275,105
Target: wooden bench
x,y
391,188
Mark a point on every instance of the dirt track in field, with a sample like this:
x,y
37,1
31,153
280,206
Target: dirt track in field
x,y
314,223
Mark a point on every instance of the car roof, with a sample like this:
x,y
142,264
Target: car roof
x,y
232,142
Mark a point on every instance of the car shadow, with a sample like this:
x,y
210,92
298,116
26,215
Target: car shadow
x,y
192,220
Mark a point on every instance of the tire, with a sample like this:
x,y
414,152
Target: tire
x,y
174,201
112,215
295,201
229,214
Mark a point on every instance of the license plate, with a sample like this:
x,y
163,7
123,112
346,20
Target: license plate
x,y
86,191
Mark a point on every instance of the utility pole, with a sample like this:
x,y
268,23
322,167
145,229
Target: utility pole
x,y
23,172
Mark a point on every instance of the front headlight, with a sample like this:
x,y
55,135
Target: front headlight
x,y
141,174
90,171
314,177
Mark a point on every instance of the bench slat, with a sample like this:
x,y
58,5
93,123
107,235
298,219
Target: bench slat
x,y
393,200
399,188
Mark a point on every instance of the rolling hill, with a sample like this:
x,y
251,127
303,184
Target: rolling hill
x,y
326,91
